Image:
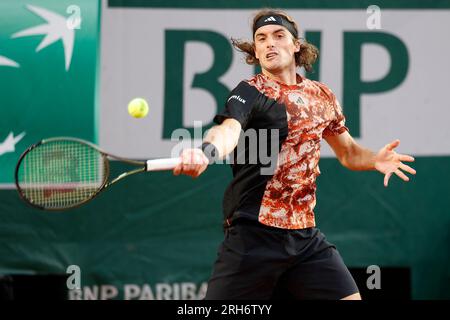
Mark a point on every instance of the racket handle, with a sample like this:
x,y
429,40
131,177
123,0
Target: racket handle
x,y
162,164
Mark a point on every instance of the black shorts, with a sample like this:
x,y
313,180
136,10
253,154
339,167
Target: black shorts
x,y
260,262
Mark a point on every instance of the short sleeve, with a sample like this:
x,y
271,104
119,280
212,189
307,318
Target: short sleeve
x,y
337,125
239,104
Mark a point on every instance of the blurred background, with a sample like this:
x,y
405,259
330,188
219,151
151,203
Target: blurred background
x,y
70,67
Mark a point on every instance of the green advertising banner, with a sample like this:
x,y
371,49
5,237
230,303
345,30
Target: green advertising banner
x,y
48,74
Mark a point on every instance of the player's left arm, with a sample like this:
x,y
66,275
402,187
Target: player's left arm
x,y
355,157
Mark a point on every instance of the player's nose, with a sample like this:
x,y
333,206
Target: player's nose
x,y
270,44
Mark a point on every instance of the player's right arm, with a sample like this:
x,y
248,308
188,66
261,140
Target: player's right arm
x,y
223,137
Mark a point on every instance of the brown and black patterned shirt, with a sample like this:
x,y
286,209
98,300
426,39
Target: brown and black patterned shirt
x,y
300,115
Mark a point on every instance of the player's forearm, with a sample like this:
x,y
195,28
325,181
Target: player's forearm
x,y
358,158
224,138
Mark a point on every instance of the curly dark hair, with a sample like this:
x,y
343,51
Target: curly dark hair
x,y
304,58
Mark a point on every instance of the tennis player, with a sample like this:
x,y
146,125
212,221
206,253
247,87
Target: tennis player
x,y
272,247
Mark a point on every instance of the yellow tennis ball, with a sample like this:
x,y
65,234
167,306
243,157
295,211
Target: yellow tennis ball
x,y
138,108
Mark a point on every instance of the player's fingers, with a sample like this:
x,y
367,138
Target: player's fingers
x,y
200,169
401,175
386,178
186,161
393,144
197,170
192,163
192,157
407,168
189,169
404,157
195,174
177,169
186,157
189,163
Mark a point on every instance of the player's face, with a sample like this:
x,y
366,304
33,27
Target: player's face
x,y
275,48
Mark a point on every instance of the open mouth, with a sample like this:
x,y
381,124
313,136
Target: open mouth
x,y
271,55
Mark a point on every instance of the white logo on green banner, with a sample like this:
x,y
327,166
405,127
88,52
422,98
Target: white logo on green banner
x,y
55,29
48,75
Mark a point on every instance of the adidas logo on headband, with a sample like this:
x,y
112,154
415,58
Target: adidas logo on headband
x,y
279,20
270,19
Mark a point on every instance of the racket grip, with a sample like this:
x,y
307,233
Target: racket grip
x,y
162,164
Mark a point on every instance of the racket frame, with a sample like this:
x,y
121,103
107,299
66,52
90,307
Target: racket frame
x,y
106,181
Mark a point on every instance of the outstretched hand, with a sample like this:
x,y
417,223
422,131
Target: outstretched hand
x,y
388,162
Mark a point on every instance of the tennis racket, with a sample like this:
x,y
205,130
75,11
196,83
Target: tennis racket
x,y
64,173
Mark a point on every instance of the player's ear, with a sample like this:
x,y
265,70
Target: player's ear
x,y
297,45
254,50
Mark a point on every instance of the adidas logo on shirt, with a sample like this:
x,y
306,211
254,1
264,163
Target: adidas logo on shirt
x,y
270,19
238,98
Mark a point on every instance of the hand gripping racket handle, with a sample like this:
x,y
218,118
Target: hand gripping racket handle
x,y
162,164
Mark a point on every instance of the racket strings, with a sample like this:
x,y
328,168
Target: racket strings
x,y
61,174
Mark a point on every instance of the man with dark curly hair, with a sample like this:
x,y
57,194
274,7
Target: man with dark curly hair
x,y
272,248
